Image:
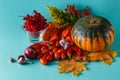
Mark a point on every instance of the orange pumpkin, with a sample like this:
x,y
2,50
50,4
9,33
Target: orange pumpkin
x,y
93,33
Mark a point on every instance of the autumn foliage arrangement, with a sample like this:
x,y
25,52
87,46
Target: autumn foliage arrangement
x,y
66,38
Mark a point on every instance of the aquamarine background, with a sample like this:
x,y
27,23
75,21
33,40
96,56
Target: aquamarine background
x,y
13,40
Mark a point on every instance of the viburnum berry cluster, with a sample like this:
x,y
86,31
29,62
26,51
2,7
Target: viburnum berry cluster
x,y
34,23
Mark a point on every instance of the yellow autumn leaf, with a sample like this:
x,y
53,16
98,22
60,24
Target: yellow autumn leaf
x,y
114,54
105,56
71,66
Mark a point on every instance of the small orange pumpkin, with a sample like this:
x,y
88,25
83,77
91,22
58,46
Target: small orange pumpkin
x,y
93,33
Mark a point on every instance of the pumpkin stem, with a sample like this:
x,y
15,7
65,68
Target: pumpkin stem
x,y
92,21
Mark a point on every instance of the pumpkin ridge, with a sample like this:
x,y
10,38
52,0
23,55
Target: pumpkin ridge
x,y
86,34
101,41
88,44
95,44
94,35
83,44
78,41
112,28
108,42
88,39
98,43
111,35
108,39
103,33
75,38
91,39
98,34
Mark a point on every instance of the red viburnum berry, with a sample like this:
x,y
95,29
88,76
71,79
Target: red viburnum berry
x,y
34,23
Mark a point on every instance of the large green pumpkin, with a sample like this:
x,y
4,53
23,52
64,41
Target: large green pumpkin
x,y
93,33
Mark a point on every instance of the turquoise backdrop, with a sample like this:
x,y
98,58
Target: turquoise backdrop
x,y
13,40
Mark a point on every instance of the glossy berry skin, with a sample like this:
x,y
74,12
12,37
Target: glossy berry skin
x,y
63,56
43,48
43,61
57,55
61,50
49,57
35,22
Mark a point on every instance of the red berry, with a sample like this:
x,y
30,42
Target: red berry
x,y
51,47
61,50
43,61
57,55
45,55
49,58
34,23
39,55
52,42
45,51
51,53
57,43
63,56
55,49
43,48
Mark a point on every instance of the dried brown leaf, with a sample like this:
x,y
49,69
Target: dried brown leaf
x,y
114,54
71,66
105,56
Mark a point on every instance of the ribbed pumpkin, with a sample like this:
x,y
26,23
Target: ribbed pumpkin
x,y
93,33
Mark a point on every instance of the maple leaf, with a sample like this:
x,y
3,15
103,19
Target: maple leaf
x,y
73,11
106,56
71,66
